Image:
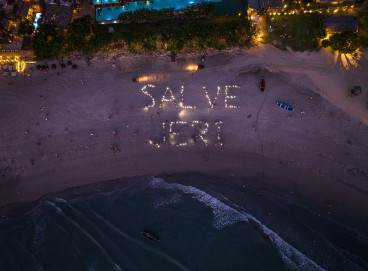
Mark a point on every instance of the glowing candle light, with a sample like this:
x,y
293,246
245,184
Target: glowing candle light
x,y
144,90
174,133
210,102
227,96
158,145
218,131
182,100
171,97
203,131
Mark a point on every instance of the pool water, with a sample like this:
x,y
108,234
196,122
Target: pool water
x,y
112,13
37,17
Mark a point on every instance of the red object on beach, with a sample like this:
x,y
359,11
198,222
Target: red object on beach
x,y
200,67
135,79
262,84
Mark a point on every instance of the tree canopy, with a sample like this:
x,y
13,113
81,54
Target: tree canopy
x,y
203,10
80,35
363,26
147,15
86,36
7,38
185,35
363,20
26,27
47,42
345,42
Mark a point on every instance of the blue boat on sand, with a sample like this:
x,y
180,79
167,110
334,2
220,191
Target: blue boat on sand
x,y
285,106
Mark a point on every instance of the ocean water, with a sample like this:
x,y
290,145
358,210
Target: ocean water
x,y
200,228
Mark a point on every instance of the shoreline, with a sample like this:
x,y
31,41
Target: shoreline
x,y
307,153
259,206
352,211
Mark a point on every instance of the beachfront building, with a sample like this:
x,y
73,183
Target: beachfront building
x,y
265,4
340,24
8,25
333,2
24,9
60,15
12,14
59,12
60,2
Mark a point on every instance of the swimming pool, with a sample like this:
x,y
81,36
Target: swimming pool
x,y
37,17
112,13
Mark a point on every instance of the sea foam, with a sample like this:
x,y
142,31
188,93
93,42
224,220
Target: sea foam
x,y
162,201
225,215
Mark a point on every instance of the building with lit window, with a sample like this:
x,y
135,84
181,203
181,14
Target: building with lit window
x,y
340,24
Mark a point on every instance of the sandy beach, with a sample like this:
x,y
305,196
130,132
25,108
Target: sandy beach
x,y
95,124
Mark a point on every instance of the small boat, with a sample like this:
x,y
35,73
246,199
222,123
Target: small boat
x,y
285,106
262,84
150,236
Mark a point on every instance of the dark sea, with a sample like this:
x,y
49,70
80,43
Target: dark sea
x,y
209,226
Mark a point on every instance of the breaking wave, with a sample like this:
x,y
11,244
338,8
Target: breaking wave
x,y
225,215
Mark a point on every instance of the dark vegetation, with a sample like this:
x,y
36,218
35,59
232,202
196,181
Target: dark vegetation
x,y
194,28
348,42
186,35
47,42
25,27
197,32
147,16
363,26
345,42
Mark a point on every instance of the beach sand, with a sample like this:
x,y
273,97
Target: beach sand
x,y
317,153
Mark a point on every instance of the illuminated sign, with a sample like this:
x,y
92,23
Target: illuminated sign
x,y
183,133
